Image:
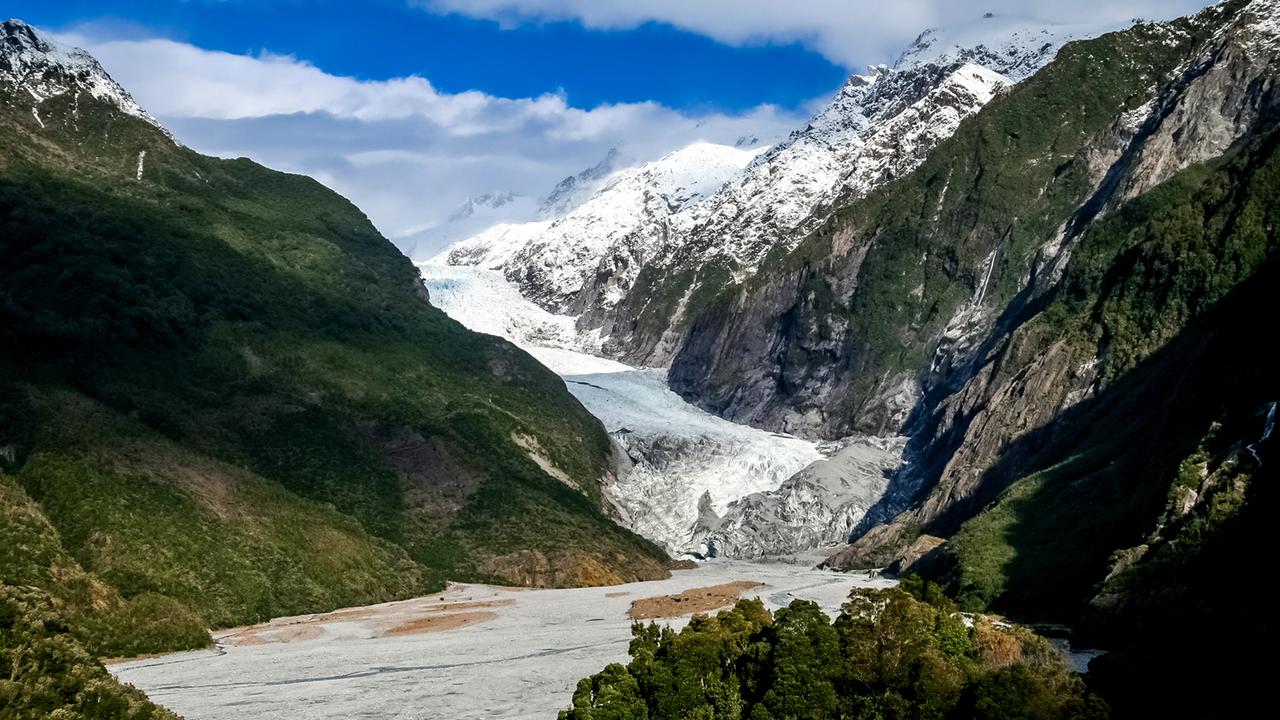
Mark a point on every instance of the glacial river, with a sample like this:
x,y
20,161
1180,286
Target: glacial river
x,y
473,651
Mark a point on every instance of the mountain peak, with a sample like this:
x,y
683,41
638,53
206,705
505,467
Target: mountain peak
x,y
1012,46
32,61
576,189
490,200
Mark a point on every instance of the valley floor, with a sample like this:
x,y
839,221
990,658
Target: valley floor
x,y
476,651
506,652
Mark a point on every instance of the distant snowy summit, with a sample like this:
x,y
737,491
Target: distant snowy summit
x,y
36,64
475,215
502,209
575,190
626,220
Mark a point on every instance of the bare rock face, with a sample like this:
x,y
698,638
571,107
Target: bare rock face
x,y
914,553
437,479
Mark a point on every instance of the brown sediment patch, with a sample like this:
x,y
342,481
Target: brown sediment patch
x,y
616,594
289,634
245,640
692,601
403,606
474,604
424,614
346,615
118,660
684,564
263,635
438,623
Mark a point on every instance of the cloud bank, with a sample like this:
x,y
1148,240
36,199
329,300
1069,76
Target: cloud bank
x,y
408,153
852,33
405,152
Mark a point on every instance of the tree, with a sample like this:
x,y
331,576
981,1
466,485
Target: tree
x,y
804,664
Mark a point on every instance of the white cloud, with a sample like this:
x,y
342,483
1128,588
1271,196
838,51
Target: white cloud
x,y
850,32
405,152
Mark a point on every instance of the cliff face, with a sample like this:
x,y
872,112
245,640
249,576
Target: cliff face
x,y
1061,237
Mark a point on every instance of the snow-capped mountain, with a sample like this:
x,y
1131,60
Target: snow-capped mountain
x,y
711,214
36,64
1013,47
589,258
879,126
496,224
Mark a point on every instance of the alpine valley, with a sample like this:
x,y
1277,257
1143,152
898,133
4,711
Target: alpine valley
x,y
988,334
227,398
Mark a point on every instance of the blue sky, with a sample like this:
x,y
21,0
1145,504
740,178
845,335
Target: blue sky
x,y
382,39
409,107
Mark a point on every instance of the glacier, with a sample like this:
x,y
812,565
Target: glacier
x,y
693,482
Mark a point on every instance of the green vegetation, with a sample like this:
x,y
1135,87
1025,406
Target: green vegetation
x,y
223,398
1176,600
902,653
45,674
